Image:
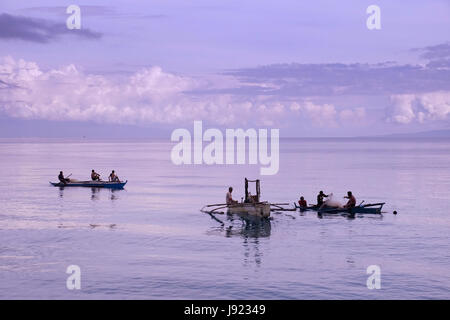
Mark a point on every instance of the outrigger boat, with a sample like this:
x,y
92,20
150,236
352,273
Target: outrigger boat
x,y
250,206
91,184
370,208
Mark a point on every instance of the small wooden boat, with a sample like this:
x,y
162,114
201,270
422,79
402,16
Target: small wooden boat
x,y
371,208
91,184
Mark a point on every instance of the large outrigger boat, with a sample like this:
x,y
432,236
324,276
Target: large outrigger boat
x,y
251,205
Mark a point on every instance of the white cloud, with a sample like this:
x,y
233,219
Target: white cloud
x,y
431,106
148,96
356,114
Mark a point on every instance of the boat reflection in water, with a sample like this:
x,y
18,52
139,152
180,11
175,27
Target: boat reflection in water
x,y
113,193
249,228
244,226
349,216
95,193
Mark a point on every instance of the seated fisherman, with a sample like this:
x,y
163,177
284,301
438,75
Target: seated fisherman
x,y
351,200
302,202
95,176
229,197
62,179
113,177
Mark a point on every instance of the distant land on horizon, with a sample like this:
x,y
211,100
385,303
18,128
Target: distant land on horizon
x,y
48,130
421,134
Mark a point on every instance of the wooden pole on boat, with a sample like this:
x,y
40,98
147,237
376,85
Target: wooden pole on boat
x,y
246,190
258,190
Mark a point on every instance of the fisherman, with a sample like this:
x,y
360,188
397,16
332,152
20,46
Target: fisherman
x,y
351,203
95,176
113,177
62,179
229,197
320,197
302,202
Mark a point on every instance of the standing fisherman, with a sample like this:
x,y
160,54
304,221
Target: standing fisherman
x,y
320,197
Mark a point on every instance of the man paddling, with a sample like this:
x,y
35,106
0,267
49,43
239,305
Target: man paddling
x,y
229,197
95,176
320,197
62,179
351,203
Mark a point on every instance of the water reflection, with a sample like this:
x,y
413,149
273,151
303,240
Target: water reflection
x,y
243,226
250,229
95,193
350,216
113,193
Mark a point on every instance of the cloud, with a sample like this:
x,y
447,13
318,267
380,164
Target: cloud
x,y
356,114
91,10
302,80
420,108
439,51
438,56
148,96
87,10
38,30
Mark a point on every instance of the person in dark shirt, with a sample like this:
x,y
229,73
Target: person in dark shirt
x,y
320,197
62,179
113,177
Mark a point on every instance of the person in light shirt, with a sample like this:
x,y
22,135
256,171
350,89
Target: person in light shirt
x,y
229,197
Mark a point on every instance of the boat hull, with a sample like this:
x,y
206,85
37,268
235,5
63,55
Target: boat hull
x,y
91,184
252,209
362,209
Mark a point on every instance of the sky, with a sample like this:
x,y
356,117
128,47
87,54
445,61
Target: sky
x,y
143,68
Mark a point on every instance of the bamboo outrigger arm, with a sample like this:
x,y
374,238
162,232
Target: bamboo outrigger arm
x,y
278,207
215,210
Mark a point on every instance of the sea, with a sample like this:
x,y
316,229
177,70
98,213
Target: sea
x,y
152,241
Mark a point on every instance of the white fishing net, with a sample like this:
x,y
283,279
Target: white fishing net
x,y
332,202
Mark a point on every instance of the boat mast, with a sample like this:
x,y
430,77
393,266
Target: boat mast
x,y
246,190
258,190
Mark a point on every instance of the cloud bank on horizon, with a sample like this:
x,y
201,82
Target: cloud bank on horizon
x,y
154,96
148,96
322,97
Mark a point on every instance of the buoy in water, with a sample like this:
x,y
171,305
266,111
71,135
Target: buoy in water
x,y
395,212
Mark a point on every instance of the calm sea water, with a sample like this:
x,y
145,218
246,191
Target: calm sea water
x,y
150,240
